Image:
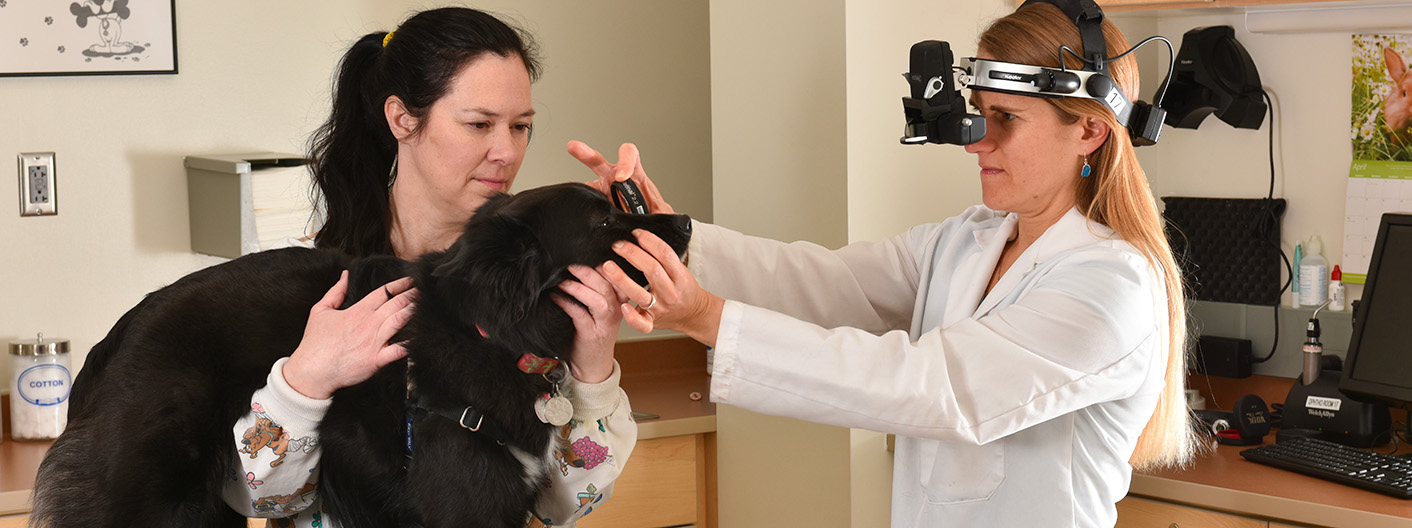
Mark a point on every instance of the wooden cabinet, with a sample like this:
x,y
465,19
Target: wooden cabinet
x,y
1142,513
664,484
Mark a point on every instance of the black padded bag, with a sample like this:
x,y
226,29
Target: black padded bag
x,y
1228,248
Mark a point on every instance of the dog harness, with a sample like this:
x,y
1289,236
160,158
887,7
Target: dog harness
x,y
468,417
550,408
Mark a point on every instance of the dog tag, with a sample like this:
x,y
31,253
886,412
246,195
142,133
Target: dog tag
x,y
540,407
555,410
558,410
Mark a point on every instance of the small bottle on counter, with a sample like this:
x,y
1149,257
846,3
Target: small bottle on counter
x,y
1336,290
39,388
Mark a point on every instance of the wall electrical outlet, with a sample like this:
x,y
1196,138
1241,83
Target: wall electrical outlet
x,y
37,190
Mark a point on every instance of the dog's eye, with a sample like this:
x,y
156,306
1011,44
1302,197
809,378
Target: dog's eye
x,y
604,223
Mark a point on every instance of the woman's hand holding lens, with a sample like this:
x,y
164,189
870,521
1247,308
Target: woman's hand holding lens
x,y
629,165
675,301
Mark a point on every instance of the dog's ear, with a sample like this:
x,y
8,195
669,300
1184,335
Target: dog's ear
x,y
499,263
480,238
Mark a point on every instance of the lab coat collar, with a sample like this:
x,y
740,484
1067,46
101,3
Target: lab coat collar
x,y
1071,231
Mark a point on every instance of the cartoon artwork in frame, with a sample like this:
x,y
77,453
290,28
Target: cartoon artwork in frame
x,y
87,37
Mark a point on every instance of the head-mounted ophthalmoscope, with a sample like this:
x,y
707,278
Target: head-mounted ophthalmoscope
x,y
936,111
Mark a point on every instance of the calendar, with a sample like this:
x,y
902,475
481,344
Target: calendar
x,y
1374,188
1380,178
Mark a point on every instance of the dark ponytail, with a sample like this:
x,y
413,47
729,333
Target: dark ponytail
x,y
352,153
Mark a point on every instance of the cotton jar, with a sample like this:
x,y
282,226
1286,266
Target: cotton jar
x,y
39,387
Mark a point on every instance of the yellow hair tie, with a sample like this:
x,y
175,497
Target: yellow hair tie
x,y
387,38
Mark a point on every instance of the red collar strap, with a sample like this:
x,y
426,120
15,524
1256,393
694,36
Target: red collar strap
x,y
532,364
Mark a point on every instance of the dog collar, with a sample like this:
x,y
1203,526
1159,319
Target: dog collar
x,y
532,364
529,363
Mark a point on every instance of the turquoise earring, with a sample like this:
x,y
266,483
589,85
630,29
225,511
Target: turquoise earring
x,y
1087,169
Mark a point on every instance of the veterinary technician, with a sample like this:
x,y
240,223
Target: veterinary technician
x,y
428,121
1027,353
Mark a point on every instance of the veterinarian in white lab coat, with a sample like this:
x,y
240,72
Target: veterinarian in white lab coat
x,y
454,115
1027,353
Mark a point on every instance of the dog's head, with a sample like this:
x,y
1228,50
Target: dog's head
x,y
501,274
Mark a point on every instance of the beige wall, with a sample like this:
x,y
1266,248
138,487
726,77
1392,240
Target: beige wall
x,y
255,76
1310,77
778,150
891,186
122,229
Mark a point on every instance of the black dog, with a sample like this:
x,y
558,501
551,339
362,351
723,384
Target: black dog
x,y
149,436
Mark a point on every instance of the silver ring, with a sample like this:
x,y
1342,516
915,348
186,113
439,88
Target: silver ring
x,y
651,304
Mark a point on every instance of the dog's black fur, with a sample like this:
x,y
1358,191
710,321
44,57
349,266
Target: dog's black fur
x,y
149,440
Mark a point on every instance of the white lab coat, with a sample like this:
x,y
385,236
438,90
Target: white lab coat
x,y
1017,409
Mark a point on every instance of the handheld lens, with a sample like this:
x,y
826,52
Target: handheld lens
x,y
628,197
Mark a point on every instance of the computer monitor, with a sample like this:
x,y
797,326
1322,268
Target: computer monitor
x,y
1378,365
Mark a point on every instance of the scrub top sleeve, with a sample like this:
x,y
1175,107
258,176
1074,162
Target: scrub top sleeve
x,y
279,451
596,447
1085,332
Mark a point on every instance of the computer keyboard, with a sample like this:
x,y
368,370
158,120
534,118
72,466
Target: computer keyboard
x,y
1360,468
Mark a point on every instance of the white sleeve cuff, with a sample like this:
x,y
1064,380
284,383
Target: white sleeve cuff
x,y
310,409
596,400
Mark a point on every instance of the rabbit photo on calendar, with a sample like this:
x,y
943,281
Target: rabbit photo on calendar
x,y
1397,106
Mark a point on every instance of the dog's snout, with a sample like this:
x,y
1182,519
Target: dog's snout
x,y
682,223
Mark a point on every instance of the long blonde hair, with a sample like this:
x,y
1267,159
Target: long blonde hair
x,y
1116,195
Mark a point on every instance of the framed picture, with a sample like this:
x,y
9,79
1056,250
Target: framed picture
x,y
87,37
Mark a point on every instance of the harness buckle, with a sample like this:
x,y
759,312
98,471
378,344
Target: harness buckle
x,y
480,419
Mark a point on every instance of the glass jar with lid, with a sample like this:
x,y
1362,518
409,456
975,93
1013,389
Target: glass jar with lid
x,y
39,387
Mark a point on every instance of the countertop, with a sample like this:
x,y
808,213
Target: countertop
x,y
659,376
19,461
1223,480
662,377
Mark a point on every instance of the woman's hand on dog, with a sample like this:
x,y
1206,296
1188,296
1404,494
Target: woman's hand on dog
x,y
345,347
676,301
629,166
596,322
